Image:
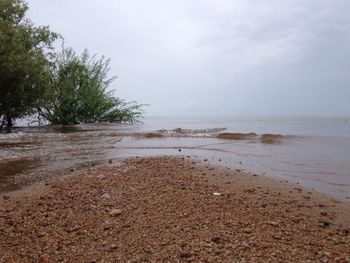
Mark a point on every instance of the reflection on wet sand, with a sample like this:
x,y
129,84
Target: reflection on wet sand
x,y
11,168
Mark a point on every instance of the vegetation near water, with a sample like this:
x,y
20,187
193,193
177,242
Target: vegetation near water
x,y
59,86
77,92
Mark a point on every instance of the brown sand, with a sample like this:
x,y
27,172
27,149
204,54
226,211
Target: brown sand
x,y
168,209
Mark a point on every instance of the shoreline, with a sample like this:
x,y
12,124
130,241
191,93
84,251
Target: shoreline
x,y
171,209
320,163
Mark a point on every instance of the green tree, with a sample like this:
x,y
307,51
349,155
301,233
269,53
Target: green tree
x,y
24,63
78,92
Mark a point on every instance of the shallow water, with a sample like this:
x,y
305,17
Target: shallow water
x,y
316,156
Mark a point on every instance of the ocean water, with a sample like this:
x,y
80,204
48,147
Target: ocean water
x,y
305,126
316,156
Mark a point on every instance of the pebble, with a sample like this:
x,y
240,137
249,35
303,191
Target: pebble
x,y
185,254
105,196
216,240
272,223
115,212
44,258
324,224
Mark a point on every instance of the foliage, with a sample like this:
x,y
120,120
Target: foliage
x,y
24,61
78,92
64,88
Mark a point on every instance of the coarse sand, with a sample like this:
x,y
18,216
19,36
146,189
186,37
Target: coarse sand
x,y
171,209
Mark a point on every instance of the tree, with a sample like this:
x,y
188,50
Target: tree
x,y
24,63
78,92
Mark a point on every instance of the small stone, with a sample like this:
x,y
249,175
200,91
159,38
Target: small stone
x,y
44,258
113,247
216,240
41,234
324,224
106,227
346,231
247,231
185,254
272,223
110,161
179,150
115,212
105,196
217,194
327,254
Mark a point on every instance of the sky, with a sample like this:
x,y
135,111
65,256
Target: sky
x,y
215,57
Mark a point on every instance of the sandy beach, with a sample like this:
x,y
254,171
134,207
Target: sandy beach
x,y
171,209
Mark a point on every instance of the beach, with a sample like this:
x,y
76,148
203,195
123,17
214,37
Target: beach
x,y
171,209
174,131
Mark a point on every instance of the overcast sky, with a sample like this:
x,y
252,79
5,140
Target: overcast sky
x,y
216,57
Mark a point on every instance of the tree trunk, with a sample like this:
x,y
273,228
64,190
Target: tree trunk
x,y
8,121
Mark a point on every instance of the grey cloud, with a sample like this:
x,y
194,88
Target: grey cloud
x,y
212,57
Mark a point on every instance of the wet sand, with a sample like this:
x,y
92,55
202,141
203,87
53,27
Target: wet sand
x,y
171,209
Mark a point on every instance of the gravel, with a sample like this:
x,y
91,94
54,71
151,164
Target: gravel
x,y
163,210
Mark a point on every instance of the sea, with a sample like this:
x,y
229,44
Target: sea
x,y
313,152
